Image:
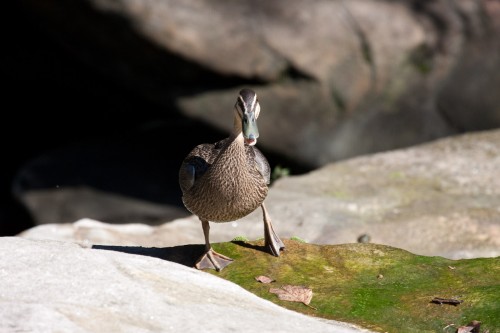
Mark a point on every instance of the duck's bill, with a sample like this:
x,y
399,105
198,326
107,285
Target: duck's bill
x,y
250,142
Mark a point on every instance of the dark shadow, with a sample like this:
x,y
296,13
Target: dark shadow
x,y
250,246
183,254
110,121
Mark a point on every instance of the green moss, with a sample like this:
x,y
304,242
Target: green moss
x,y
240,239
341,195
279,172
339,100
378,287
397,175
422,58
298,239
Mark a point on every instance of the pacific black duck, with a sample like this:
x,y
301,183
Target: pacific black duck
x,y
228,180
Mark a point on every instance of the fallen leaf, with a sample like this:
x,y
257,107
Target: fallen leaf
x,y
294,294
472,327
264,279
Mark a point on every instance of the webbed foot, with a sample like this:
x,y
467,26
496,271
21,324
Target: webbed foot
x,y
213,260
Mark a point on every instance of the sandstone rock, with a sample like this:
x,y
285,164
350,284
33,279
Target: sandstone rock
x,y
439,198
260,41
340,78
119,181
71,203
54,286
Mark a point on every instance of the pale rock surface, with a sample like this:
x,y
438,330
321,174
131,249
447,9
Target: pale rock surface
x,y
50,286
441,198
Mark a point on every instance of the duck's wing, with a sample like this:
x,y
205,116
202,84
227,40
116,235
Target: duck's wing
x,y
197,162
260,162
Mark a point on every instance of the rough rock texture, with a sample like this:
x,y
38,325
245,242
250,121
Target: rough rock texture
x,y
336,78
440,198
52,286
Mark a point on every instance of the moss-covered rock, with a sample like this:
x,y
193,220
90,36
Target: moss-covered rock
x,y
378,287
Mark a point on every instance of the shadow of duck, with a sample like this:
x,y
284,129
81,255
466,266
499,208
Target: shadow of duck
x,y
186,255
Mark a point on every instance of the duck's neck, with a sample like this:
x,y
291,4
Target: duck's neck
x,y
235,147
232,159
236,137
231,156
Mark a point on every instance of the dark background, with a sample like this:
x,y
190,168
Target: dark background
x,y
53,101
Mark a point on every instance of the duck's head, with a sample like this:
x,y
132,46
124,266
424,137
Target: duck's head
x,y
247,110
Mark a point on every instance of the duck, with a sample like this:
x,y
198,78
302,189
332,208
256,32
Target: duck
x,y
229,179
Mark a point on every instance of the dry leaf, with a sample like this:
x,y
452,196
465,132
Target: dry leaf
x,y
264,279
465,329
472,327
294,294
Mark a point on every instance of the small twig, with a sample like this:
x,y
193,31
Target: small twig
x,y
450,301
448,326
312,307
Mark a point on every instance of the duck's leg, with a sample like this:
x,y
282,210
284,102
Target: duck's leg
x,y
211,259
273,243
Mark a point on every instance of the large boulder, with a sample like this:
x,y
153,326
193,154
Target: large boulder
x,y
62,287
336,78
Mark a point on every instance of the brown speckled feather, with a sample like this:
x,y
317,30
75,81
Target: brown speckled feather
x,y
224,181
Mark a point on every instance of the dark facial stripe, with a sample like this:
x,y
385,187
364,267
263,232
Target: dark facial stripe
x,y
247,100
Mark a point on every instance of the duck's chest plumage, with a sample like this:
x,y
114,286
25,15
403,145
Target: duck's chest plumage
x,y
232,183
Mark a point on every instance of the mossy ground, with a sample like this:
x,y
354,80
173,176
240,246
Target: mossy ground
x,y
374,286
